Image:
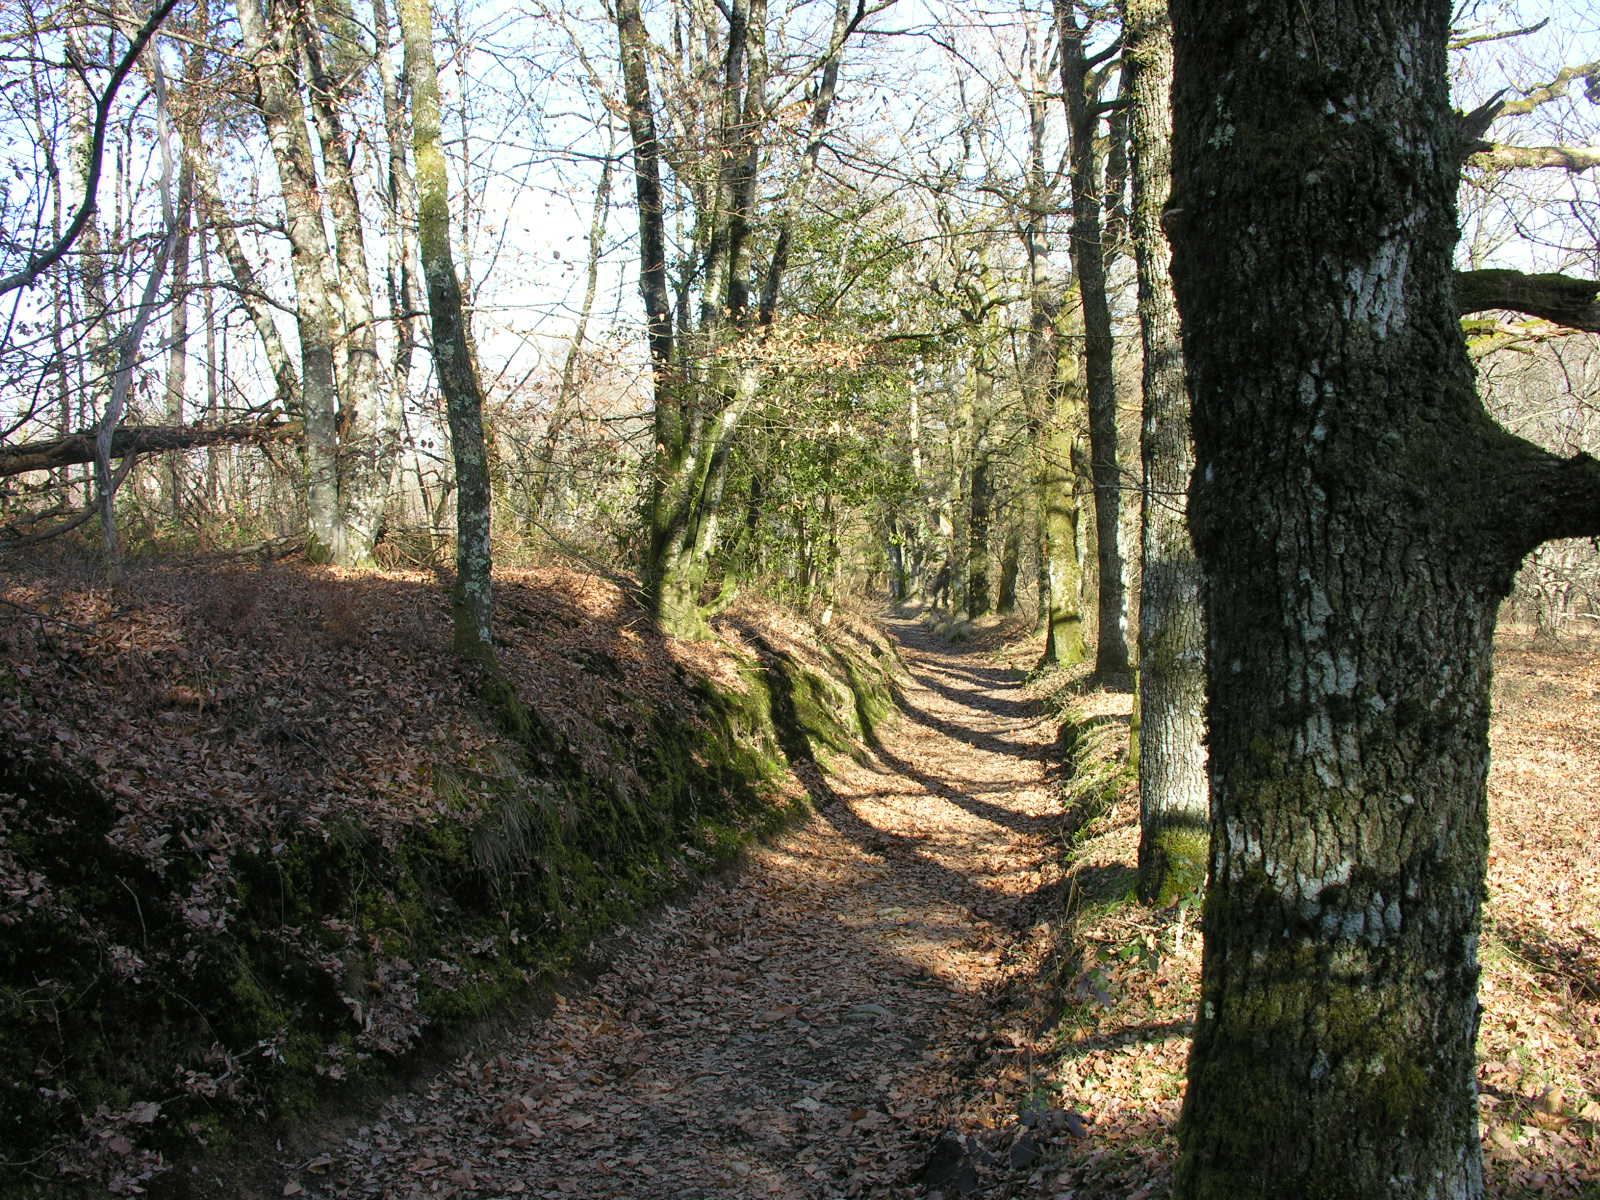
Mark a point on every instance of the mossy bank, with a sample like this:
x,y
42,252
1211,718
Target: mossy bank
x,y
262,837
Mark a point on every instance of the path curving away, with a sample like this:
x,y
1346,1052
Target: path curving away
x,y
795,1029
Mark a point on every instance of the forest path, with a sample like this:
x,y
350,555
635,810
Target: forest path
x,y
798,1027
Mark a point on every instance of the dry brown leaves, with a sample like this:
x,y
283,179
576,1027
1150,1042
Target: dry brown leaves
x,y
1539,1043
799,1029
1130,992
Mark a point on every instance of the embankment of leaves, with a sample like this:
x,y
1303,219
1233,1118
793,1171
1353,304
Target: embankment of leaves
x,y
262,837
1128,978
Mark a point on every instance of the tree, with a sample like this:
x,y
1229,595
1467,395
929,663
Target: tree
x,y
1082,79
705,367
346,397
452,354
1174,795
1358,518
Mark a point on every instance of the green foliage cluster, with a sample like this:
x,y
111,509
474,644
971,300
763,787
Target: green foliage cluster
x,y
823,456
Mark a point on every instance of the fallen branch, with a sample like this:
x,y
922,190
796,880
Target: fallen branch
x,y
138,439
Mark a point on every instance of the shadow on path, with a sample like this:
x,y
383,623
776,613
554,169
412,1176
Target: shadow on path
x,y
979,901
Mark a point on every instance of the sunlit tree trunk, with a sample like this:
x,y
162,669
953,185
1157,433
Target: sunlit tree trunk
x,y
95,363
400,202
208,323
178,343
1174,795
310,257
1059,495
1358,517
369,418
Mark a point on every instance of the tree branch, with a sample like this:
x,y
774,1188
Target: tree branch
x,y
1563,497
137,439
1589,72
1476,39
40,263
1492,156
1562,299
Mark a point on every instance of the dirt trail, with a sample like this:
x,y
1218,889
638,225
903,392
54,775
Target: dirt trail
x,y
796,1029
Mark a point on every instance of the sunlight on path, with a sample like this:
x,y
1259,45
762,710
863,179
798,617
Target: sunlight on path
x,y
795,1030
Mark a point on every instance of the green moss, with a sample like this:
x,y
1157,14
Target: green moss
x,y
430,925
1180,858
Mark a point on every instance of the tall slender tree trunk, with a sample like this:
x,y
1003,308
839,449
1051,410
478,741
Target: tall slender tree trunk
x,y
458,377
1060,502
96,363
310,257
369,419
1174,794
1089,264
177,380
132,339
1358,517
400,202
208,322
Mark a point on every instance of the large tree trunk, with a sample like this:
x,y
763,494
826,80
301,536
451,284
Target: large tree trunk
x,y
1089,264
1358,518
1174,795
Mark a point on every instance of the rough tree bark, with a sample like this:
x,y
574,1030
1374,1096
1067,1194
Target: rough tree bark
x,y
1174,795
1358,518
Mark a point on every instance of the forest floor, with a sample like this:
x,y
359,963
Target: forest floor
x,y
804,1026
1129,989
906,996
